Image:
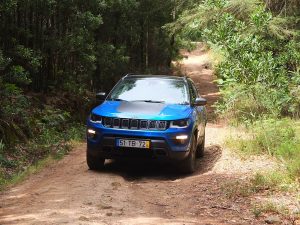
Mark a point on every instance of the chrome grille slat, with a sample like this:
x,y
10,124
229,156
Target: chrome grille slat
x,y
161,125
116,123
125,124
134,124
144,124
152,125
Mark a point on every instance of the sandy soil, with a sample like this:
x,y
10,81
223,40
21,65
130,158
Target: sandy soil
x,y
139,192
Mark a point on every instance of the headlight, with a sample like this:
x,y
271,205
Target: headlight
x,y
95,118
180,123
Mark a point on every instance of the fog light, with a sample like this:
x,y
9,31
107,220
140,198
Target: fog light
x,y
91,133
181,137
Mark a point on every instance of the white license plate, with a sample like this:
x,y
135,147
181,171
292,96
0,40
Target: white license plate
x,y
132,143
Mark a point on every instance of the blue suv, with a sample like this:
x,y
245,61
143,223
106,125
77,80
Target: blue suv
x,y
151,116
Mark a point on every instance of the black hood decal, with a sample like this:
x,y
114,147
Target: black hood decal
x,y
141,107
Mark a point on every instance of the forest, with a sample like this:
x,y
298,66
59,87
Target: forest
x,y
54,55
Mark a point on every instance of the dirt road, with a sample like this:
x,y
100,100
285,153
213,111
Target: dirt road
x,y
138,192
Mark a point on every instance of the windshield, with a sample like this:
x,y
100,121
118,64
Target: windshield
x,y
168,91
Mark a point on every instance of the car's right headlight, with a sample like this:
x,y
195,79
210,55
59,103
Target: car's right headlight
x,y
95,118
180,123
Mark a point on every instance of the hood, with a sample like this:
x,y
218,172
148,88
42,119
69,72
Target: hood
x,y
143,110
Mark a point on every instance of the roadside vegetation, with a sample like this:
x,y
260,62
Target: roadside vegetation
x,y
255,46
32,128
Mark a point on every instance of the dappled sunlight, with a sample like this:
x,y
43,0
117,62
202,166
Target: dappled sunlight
x,y
196,60
162,221
44,216
58,200
17,196
214,94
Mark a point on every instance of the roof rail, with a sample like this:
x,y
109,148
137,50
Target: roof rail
x,y
129,74
185,77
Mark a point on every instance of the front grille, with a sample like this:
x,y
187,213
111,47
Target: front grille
x,y
107,121
116,123
135,124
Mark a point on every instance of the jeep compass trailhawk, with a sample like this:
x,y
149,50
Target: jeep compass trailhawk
x,y
160,117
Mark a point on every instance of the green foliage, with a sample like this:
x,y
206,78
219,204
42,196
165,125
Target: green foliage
x,y
19,76
11,113
30,130
52,132
279,138
244,103
272,181
259,71
270,207
33,58
3,61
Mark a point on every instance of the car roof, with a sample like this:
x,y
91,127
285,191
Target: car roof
x,y
136,76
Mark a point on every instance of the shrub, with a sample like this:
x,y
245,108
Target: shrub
x,y
259,71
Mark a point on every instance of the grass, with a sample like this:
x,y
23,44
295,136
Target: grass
x,y
269,207
268,181
276,137
274,181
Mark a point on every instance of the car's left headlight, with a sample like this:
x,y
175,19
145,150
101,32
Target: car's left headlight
x,y
95,118
180,123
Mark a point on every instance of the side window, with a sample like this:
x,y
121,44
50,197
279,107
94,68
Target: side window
x,y
192,91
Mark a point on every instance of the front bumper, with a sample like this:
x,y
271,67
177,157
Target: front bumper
x,y
162,145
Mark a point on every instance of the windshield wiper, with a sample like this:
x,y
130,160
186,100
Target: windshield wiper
x,y
183,103
150,101
117,99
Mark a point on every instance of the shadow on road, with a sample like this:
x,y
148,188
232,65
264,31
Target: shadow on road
x,y
137,169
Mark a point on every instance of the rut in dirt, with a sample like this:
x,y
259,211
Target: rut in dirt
x,y
132,192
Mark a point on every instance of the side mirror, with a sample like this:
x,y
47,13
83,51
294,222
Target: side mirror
x,y
200,102
100,97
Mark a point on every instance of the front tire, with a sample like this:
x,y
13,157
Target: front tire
x,y
201,148
188,165
94,162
